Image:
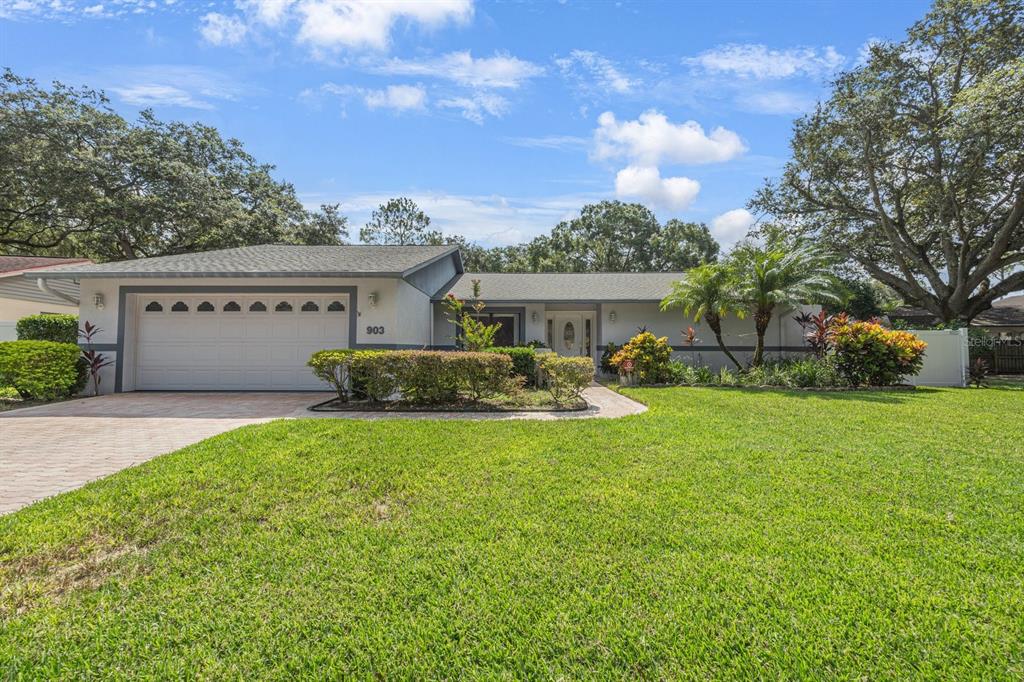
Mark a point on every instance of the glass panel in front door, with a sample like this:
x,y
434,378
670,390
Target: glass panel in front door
x,y
569,336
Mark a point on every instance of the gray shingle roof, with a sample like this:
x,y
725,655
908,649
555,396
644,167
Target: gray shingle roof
x,y
558,286
19,263
269,260
1009,312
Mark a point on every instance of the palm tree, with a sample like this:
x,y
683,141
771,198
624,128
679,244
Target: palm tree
x,y
707,291
768,277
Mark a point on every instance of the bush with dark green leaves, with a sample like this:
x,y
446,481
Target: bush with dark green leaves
x,y
524,361
566,377
44,370
48,327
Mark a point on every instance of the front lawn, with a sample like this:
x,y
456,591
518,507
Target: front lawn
x,y
724,533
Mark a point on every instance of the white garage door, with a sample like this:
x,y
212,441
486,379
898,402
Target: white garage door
x,y
235,343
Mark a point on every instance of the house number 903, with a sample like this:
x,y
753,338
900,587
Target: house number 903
x,y
374,330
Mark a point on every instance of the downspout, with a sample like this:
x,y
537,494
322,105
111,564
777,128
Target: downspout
x,y
45,288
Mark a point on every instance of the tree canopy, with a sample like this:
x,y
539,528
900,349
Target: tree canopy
x,y
399,221
914,167
78,179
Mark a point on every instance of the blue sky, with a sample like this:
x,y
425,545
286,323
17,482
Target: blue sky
x,y
500,119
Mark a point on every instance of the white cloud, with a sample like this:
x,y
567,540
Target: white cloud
x,y
93,10
652,139
367,24
598,72
477,106
268,12
493,220
645,183
775,102
732,226
499,71
550,142
759,62
153,94
397,97
161,85
220,29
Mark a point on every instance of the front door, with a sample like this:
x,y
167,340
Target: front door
x,y
569,333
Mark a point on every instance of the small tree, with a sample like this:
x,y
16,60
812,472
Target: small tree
x,y
472,334
399,221
707,292
95,361
768,277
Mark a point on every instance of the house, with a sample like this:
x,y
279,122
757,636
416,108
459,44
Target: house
x,y
1004,320
248,318
20,297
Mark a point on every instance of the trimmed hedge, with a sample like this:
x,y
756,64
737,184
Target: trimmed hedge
x,y
423,377
566,377
524,361
61,328
44,370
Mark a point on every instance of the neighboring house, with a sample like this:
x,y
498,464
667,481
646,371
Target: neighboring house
x,y
20,297
1004,320
249,318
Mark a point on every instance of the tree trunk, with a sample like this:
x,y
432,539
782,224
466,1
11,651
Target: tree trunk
x,y
761,320
715,322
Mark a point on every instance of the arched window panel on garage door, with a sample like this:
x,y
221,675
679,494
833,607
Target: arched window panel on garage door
x,y
154,307
205,307
179,307
336,307
258,307
283,307
310,307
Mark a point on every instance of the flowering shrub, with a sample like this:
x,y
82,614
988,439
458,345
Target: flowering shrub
x,y
649,357
866,353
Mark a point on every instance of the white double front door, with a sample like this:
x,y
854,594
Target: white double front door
x,y
240,342
571,333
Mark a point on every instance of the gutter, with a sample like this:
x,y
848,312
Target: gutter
x,y
45,288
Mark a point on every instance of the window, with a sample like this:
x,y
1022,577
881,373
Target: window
x,y
179,307
336,307
506,335
569,335
551,335
232,307
283,307
258,307
205,307
154,307
310,307
586,337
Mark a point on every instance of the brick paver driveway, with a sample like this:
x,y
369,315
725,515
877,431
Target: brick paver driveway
x,y
52,448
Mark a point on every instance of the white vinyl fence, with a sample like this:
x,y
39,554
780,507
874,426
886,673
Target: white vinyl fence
x,y
8,331
945,360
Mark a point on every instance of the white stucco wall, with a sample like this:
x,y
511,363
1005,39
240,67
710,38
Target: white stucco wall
x,y
784,333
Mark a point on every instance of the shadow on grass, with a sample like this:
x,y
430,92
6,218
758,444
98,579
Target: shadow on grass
x,y
867,395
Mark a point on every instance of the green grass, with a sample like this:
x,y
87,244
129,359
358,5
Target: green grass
x,y
725,533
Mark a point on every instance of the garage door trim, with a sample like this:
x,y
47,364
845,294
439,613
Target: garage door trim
x,y
124,291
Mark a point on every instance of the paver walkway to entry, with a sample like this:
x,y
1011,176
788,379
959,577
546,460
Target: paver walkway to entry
x,y
50,449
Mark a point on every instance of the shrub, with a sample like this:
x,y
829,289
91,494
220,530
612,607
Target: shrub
x,y
427,377
484,375
649,355
423,377
374,372
566,377
334,367
810,373
45,370
59,328
866,353
606,358
524,361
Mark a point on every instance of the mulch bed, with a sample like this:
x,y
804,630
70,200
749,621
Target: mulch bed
x,y
335,405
